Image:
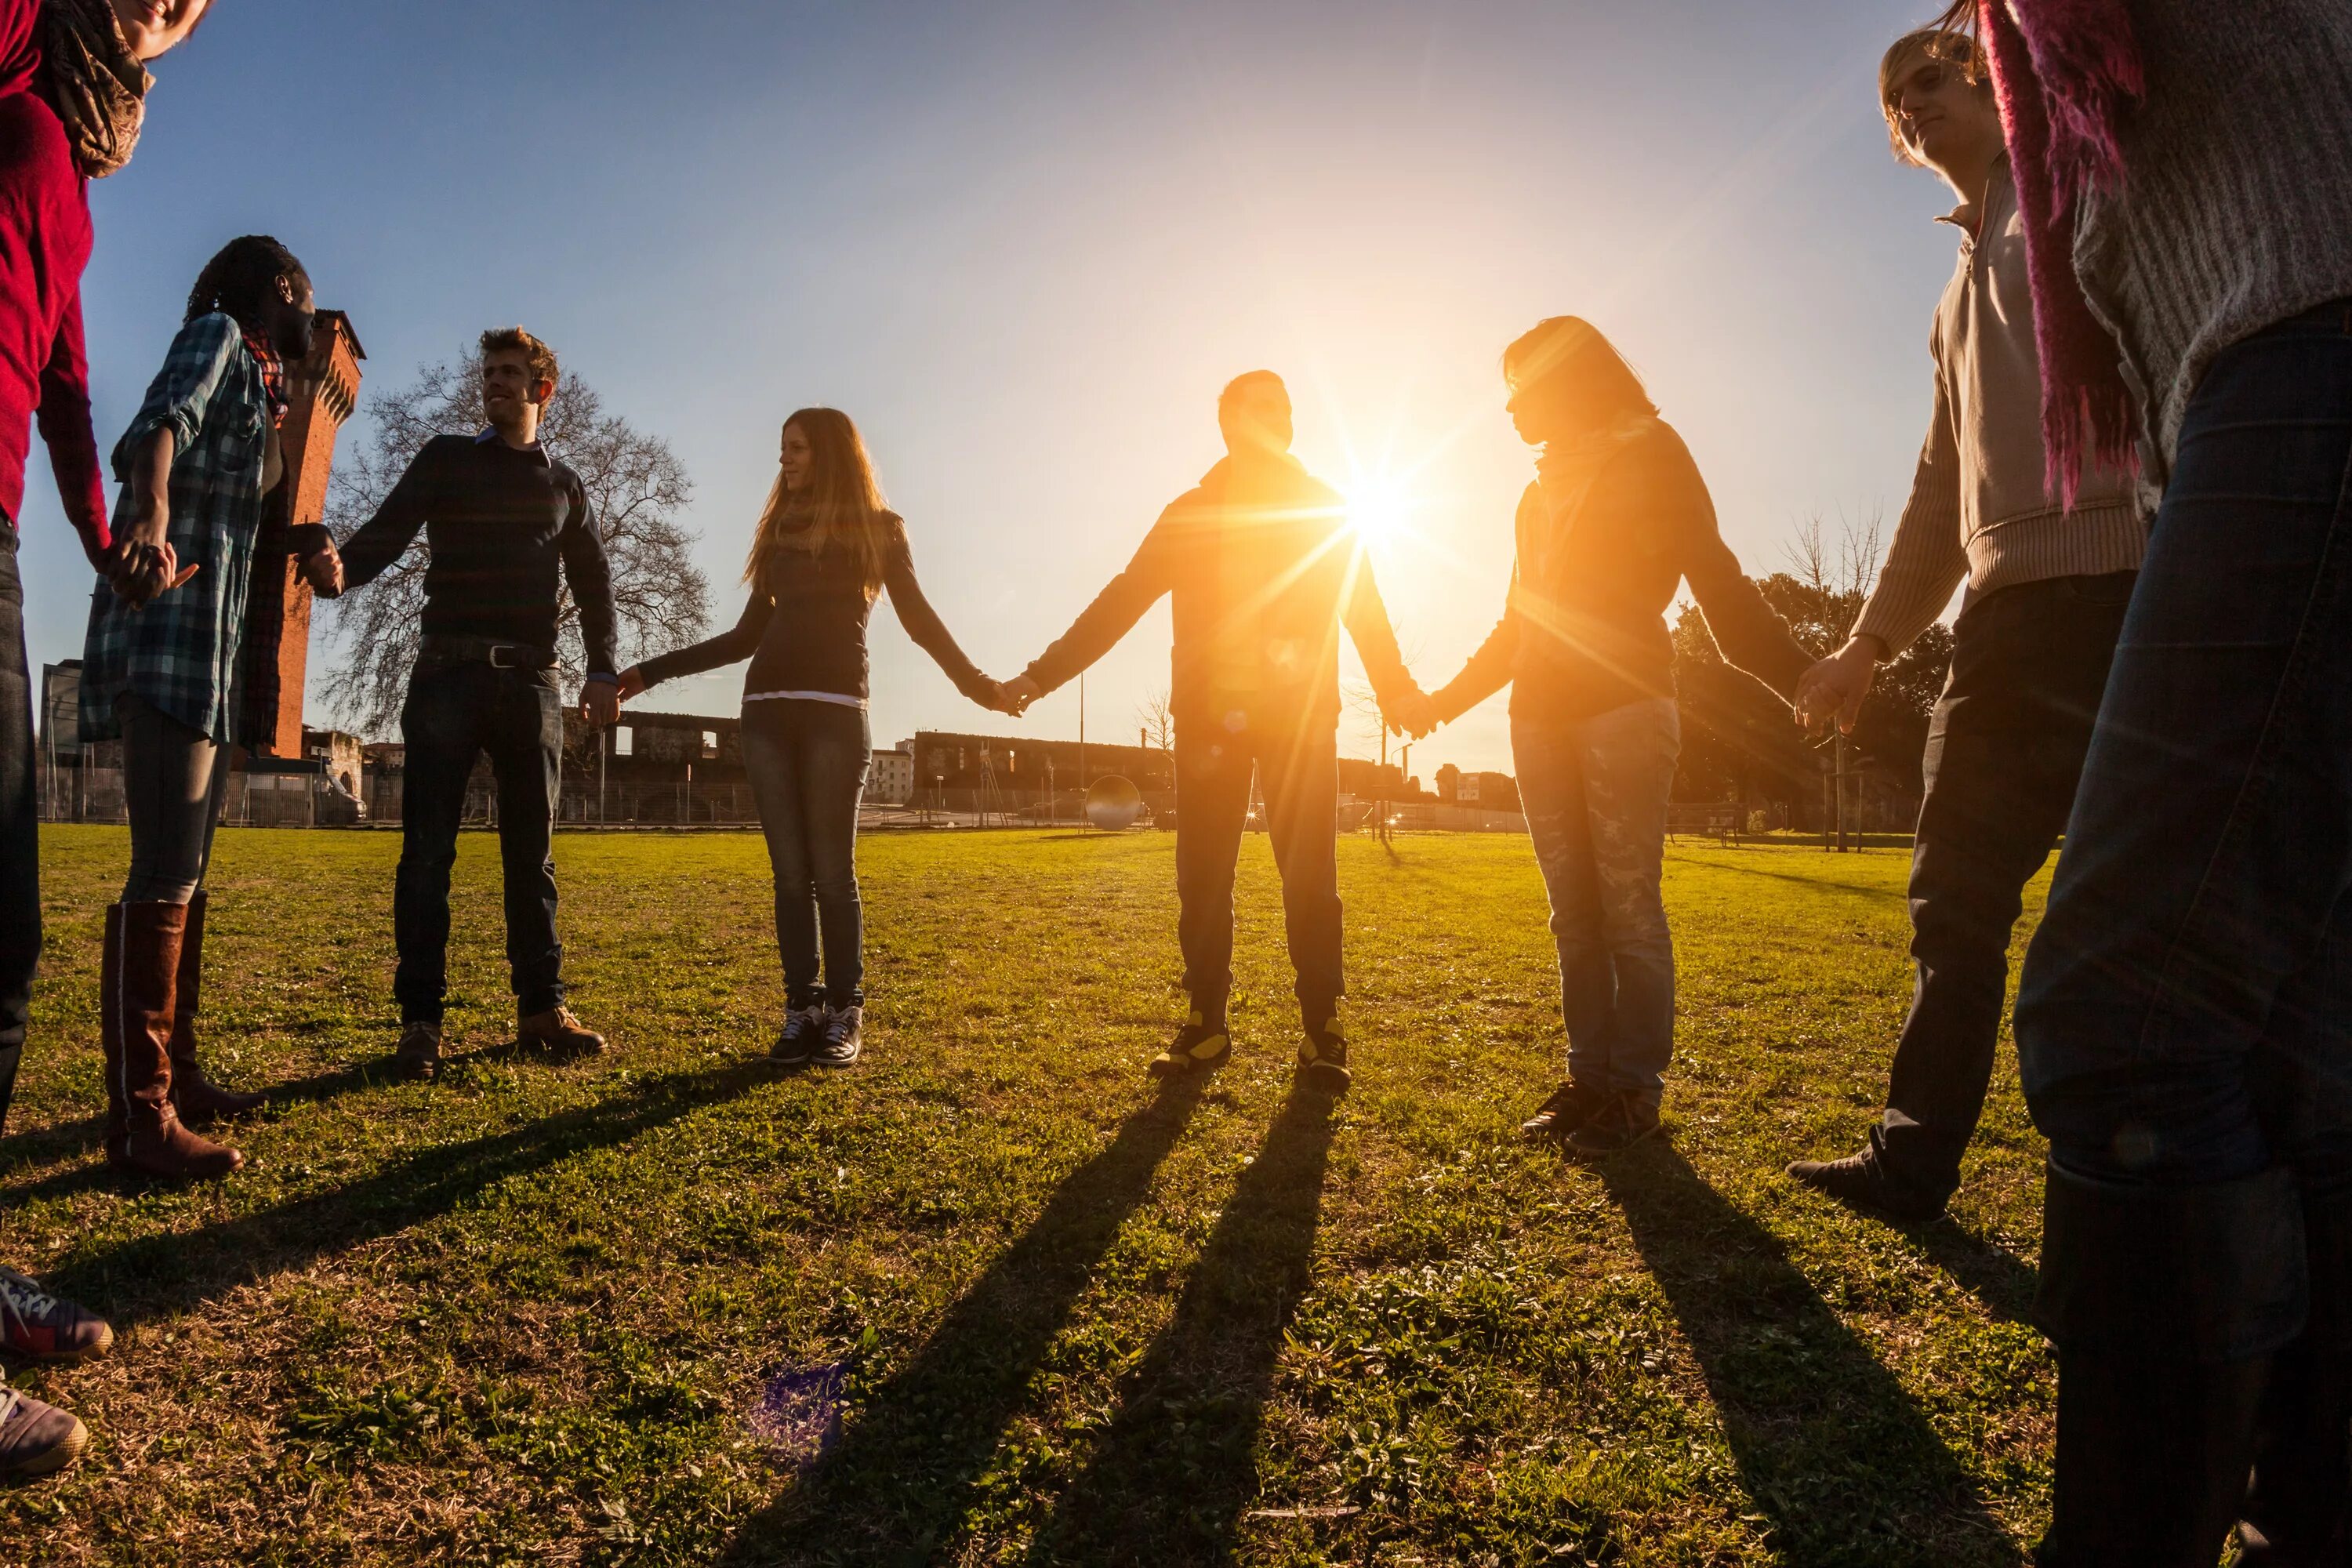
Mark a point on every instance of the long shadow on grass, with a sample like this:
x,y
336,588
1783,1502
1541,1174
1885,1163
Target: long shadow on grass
x,y
1829,1446
158,1274
1991,1274
904,1472
1897,894
67,1139
1169,1479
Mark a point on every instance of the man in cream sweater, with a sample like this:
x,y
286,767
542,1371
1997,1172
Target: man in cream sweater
x,y
2047,584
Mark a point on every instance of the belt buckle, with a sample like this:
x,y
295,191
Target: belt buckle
x,y
497,650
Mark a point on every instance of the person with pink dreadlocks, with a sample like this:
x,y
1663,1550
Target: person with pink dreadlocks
x,y
2184,1023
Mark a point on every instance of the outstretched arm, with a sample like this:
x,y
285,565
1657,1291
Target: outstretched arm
x,y
734,644
382,540
1489,670
1113,613
923,623
64,418
1401,697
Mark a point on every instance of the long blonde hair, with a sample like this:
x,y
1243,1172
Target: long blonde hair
x,y
842,500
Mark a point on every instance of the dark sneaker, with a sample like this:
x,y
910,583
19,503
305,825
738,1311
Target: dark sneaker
x,y
844,1037
1860,1182
1199,1047
36,1439
558,1031
418,1054
1571,1105
1323,1057
42,1327
1620,1125
797,1041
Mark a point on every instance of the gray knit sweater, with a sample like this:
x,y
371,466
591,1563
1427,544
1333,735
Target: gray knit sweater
x,y
2236,205
1980,508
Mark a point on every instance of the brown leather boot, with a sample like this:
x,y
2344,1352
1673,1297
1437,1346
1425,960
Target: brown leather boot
x,y
558,1031
140,1011
110,1037
198,1100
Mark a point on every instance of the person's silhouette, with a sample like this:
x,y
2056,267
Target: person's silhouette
x,y
1263,569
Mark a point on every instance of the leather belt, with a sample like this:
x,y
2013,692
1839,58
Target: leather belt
x,y
437,647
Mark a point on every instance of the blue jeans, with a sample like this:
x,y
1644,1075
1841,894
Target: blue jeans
x,y
808,762
2184,1016
20,855
454,714
1595,793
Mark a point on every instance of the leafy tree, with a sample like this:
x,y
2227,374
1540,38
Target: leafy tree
x,y
635,485
1739,742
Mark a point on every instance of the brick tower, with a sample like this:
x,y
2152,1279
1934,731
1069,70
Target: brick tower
x,y
322,390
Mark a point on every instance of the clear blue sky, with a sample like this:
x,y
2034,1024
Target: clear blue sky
x,y
1024,245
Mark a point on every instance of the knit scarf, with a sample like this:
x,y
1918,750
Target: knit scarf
x,y
2065,73
89,77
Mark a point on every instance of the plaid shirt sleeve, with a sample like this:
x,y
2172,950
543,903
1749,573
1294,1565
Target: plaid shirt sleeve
x,y
183,392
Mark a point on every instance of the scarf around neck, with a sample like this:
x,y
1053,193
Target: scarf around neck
x,y
89,77
1565,476
273,371
2065,74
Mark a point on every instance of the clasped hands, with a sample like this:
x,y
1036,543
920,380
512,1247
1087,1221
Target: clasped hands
x,y
1831,692
141,566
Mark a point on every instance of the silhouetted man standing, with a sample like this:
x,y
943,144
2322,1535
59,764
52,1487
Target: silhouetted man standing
x,y
1263,569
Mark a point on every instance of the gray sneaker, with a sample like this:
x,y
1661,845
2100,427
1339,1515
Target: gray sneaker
x,y
804,1029
844,1036
36,1439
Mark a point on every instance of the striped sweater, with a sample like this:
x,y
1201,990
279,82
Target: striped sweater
x,y
1980,508
2236,209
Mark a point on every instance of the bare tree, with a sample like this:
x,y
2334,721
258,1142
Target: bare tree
x,y
1847,568
635,486
1157,714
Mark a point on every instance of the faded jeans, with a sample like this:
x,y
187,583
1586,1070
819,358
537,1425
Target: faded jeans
x,y
808,762
20,858
1595,793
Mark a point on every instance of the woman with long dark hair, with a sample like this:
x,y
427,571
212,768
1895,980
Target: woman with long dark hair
x,y
826,547
196,465
1616,518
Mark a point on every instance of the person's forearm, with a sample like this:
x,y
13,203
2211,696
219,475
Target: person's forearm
x,y
147,494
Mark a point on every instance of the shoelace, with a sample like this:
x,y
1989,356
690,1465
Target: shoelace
x,y
23,1300
9,1400
837,1027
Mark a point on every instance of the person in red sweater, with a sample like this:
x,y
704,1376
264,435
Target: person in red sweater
x,y
73,85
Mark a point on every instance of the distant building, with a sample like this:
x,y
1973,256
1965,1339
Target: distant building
x,y
1490,792
1026,764
892,781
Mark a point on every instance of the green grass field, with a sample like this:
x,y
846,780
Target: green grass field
x,y
526,1314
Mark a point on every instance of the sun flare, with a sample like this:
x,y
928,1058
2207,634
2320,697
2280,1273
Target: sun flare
x,y
1381,506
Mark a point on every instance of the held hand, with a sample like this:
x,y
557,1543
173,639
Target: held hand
x,y
323,569
1414,713
993,696
633,684
600,704
1833,690
1021,691
151,570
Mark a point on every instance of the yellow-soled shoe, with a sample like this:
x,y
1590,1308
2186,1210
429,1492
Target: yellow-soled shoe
x,y
1323,1057
1199,1047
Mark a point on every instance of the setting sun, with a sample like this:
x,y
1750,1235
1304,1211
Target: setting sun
x,y
1381,506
